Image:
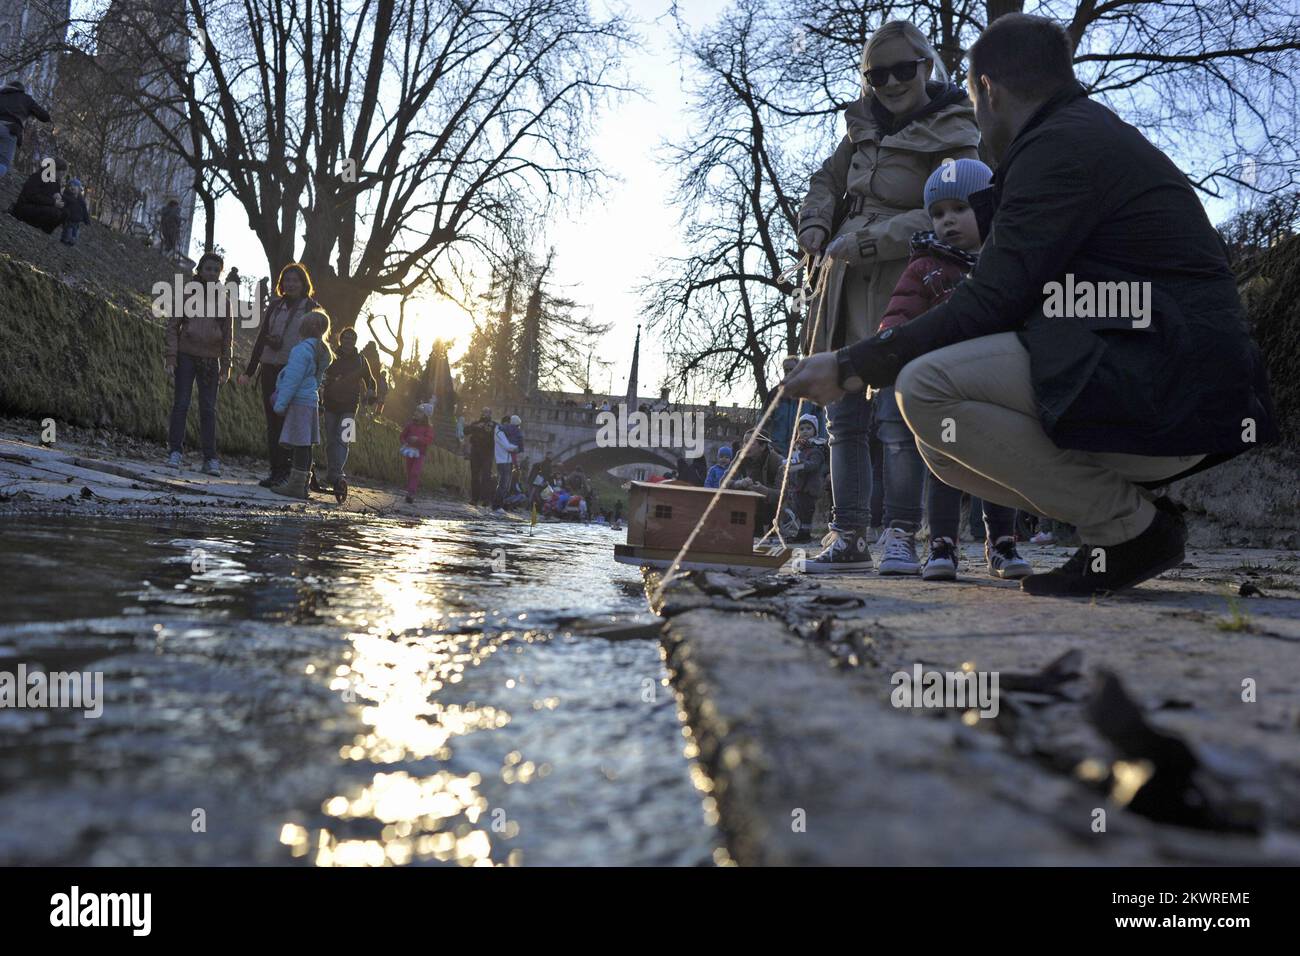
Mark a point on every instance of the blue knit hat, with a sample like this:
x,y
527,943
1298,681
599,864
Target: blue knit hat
x,y
724,451
956,180
75,182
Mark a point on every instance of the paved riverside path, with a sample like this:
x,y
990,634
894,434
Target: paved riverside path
x,y
786,684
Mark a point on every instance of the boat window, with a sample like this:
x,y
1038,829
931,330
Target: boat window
x,y
663,511
739,517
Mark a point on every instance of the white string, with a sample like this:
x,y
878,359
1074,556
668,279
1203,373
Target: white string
x,y
670,575
820,292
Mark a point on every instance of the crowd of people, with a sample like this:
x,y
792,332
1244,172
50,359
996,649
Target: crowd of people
x,y
49,198
935,292
312,391
503,478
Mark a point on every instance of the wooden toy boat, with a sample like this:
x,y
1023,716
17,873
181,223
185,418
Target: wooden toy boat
x,y
662,515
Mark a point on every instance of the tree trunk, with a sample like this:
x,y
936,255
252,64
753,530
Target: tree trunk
x,y
341,298
997,8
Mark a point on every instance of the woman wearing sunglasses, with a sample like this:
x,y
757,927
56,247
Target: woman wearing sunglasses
x,y
862,208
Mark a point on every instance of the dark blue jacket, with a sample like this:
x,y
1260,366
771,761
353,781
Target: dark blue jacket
x,y
1083,193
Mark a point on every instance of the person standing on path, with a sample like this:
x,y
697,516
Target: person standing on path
x,y
281,330
480,438
862,207
504,451
1062,405
198,352
340,399
169,226
296,400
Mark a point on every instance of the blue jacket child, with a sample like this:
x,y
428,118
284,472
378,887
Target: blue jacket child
x,y
719,471
299,381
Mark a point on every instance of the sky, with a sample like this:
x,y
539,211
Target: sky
x,y
604,250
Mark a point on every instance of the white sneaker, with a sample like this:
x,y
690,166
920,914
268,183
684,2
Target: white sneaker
x,y
1005,561
900,553
212,467
174,460
942,563
1043,537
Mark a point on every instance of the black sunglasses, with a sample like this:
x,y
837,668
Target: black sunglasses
x,y
902,72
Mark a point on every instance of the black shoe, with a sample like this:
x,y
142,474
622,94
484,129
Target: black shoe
x,y
341,490
313,484
1156,550
271,479
843,551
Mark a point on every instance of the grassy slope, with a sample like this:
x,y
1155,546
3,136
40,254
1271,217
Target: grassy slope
x,y
78,352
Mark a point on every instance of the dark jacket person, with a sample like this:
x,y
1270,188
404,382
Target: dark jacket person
x,y
40,203
1098,348
16,106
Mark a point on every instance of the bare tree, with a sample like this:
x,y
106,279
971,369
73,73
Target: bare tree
x,y
1210,81
390,135
722,309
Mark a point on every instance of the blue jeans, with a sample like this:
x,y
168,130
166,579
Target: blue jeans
x,y
336,449
70,232
945,514
191,369
903,468
8,146
847,422
504,473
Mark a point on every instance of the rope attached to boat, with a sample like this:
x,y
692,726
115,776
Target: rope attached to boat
x,y
823,268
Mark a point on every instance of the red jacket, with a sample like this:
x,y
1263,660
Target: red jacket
x,y
418,436
932,275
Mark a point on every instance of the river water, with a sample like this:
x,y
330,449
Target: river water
x,y
320,693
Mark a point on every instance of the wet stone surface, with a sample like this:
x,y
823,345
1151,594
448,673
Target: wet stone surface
x,y
378,692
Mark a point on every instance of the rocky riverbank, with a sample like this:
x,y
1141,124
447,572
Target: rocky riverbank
x,y
92,472
1154,728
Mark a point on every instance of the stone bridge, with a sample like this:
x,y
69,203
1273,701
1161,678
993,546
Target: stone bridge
x,y
567,431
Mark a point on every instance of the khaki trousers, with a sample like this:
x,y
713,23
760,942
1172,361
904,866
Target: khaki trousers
x,y
972,409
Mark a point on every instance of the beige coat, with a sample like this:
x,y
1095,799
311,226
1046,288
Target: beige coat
x,y
889,173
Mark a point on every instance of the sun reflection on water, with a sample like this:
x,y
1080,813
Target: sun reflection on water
x,y
394,672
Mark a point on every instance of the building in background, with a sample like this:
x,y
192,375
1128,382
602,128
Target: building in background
x,y
31,33
130,170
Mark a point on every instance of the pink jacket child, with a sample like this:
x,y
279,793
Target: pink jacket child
x,y
417,436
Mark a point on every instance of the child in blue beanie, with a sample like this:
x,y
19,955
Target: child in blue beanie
x,y
714,478
940,261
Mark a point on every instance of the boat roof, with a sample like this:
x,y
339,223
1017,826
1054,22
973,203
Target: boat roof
x,y
675,486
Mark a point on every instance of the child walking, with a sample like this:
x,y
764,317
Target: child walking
x,y
417,436
297,399
940,261
75,213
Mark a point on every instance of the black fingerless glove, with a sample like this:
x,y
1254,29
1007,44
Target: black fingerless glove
x,y
877,360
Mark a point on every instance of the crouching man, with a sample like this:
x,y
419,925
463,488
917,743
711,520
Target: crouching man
x,y
1098,349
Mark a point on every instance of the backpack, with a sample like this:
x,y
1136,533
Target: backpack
x,y
343,381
